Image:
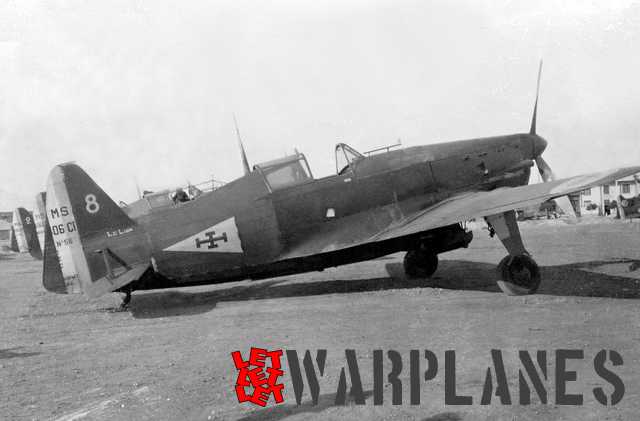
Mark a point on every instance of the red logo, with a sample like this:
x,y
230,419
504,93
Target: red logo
x,y
257,381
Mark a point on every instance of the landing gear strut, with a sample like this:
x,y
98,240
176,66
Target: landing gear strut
x,y
420,263
519,273
126,299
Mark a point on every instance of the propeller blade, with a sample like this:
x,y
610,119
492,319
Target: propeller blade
x,y
544,169
547,175
535,106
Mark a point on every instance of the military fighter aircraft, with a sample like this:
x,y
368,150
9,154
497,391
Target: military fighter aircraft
x,y
24,228
18,232
39,216
278,219
629,208
13,241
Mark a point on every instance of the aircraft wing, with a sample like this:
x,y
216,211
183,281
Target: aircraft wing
x,y
385,224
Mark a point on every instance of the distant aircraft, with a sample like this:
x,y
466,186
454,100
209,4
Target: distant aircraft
x,y
277,219
13,241
25,233
544,210
629,207
18,232
39,216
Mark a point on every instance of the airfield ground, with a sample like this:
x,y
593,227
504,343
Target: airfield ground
x,y
168,357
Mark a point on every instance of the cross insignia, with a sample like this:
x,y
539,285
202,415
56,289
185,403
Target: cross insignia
x,y
211,239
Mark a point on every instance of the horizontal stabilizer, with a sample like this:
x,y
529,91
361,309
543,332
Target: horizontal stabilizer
x,y
115,282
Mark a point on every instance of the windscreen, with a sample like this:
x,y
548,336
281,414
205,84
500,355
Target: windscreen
x,y
287,174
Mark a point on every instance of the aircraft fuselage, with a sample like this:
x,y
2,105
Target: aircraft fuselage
x,y
262,226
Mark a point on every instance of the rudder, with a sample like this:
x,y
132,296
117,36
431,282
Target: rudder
x,y
52,278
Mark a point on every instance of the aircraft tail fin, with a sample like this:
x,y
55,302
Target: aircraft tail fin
x,y
25,229
100,249
39,216
32,240
13,241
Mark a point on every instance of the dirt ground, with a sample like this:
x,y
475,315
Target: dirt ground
x,y
168,357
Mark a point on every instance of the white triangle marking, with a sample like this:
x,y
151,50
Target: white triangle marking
x,y
219,238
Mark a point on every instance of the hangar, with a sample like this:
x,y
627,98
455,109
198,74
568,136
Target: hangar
x,y
5,230
6,219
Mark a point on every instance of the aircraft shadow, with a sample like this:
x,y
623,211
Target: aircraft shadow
x,y
571,280
562,280
279,412
445,416
12,353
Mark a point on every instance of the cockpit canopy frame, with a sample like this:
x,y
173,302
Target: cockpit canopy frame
x,y
285,172
345,156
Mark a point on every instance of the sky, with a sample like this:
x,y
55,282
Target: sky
x,y
144,91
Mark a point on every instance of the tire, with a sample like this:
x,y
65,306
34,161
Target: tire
x,y
420,263
519,275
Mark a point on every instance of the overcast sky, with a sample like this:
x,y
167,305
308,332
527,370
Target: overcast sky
x,y
145,90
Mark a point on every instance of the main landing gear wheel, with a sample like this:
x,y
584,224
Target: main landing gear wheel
x,y
520,275
420,263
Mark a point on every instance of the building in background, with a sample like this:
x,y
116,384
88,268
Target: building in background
x,y
5,230
6,218
598,198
